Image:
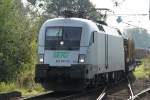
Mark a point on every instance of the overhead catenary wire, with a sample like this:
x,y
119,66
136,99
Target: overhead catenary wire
x,y
135,26
149,9
132,14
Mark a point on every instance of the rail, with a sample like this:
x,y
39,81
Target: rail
x,y
140,93
64,95
133,96
102,95
130,88
13,95
81,94
130,92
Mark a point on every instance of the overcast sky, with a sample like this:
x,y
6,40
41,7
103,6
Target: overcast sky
x,y
127,7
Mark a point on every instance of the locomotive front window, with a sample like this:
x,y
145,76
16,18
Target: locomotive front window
x,y
53,33
69,35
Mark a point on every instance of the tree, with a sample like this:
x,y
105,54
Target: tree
x,y
17,40
141,37
55,7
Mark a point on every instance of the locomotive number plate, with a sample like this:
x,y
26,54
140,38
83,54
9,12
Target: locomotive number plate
x,y
60,54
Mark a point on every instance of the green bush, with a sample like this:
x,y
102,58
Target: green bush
x,y
143,71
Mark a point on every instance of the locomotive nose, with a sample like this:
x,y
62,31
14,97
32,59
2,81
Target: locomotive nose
x,y
61,58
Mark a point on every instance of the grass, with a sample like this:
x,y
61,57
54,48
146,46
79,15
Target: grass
x,y
28,91
143,70
7,87
24,84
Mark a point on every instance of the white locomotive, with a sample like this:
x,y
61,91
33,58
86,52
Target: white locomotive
x,y
75,53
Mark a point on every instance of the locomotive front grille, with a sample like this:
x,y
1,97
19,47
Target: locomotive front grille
x,y
44,72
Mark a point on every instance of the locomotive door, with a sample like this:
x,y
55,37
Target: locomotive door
x,y
106,51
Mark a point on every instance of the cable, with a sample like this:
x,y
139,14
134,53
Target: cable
x,y
128,14
134,26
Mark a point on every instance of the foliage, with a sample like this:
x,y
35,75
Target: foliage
x,y
18,44
139,35
54,8
7,87
17,40
143,71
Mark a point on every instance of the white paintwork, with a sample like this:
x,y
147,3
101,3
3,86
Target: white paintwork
x,y
75,22
87,27
96,52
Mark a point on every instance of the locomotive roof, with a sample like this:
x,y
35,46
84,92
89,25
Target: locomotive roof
x,y
71,22
71,19
89,24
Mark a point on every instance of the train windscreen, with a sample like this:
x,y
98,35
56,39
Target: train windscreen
x,y
63,38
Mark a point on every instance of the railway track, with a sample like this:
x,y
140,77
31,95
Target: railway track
x,y
102,95
13,95
129,91
51,96
64,95
143,92
124,90
90,94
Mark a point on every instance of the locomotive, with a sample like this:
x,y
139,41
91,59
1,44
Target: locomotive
x,y
76,53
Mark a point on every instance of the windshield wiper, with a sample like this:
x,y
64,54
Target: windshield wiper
x,y
58,34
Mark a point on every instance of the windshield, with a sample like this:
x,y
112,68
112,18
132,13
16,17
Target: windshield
x,y
63,38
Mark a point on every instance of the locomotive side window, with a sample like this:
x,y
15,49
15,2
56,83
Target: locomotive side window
x,y
92,38
69,36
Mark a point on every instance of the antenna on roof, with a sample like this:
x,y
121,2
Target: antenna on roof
x,y
67,13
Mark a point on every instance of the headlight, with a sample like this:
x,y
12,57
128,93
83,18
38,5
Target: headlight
x,y
41,58
82,58
61,43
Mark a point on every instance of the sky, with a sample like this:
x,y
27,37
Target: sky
x,y
126,7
